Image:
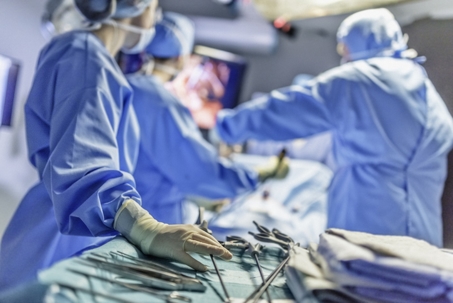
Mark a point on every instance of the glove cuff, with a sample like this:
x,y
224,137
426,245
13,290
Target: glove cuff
x,y
137,225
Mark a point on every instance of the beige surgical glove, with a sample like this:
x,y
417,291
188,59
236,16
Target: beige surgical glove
x,y
166,241
274,168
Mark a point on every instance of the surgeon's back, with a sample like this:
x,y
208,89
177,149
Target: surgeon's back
x,y
392,134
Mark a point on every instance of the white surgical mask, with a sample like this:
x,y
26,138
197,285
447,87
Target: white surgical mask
x,y
146,35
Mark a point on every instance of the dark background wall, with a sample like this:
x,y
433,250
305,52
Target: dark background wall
x,y
435,40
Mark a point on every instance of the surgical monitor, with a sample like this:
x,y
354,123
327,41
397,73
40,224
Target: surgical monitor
x,y
213,80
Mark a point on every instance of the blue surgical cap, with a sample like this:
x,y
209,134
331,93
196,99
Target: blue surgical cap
x,y
99,10
174,37
371,33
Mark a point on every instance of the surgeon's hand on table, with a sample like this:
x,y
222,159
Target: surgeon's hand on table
x,y
277,168
163,240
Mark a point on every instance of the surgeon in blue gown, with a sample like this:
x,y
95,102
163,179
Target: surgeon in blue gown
x,y
82,136
174,160
391,130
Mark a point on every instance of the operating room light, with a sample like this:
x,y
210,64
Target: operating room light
x,y
301,9
225,2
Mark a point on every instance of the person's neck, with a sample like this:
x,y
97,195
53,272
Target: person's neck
x,y
112,37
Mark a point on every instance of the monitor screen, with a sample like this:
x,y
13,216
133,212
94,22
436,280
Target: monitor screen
x,y
212,80
9,72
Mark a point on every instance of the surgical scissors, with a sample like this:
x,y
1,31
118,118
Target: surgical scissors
x,y
172,297
275,236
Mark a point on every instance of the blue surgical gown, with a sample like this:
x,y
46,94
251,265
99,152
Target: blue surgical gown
x,y
391,132
174,159
82,137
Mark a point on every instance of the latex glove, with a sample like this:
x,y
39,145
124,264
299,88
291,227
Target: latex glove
x,y
276,167
166,241
209,204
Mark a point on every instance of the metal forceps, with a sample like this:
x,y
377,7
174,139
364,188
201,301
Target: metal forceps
x,y
203,225
275,236
235,242
279,238
172,297
253,250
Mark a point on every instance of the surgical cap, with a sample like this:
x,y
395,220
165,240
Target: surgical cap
x,y
99,10
174,37
59,17
51,7
370,33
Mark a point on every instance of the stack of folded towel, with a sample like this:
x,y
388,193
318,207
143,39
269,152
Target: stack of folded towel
x,y
359,267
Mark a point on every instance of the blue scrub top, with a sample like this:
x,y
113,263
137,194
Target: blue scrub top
x,y
391,134
174,160
82,137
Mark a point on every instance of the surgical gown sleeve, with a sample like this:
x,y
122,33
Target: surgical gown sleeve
x,y
81,134
284,114
183,156
83,174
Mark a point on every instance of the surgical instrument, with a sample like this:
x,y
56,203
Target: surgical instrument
x,y
203,225
228,299
89,291
156,271
235,242
275,236
146,262
172,297
256,295
148,276
254,251
280,156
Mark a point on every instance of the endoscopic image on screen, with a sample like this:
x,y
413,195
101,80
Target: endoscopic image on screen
x,y
206,85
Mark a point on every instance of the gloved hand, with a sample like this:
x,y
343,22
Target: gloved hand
x,y
277,167
166,241
209,204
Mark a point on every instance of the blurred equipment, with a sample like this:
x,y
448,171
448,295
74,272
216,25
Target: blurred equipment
x,y
248,33
301,9
285,27
225,2
9,72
